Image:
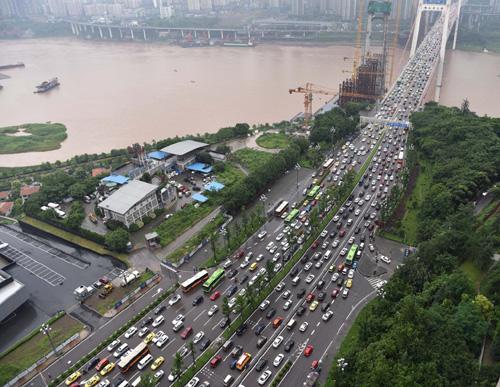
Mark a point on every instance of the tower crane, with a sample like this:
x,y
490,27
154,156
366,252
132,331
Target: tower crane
x,y
308,92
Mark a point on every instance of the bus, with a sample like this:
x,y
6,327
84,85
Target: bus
x,y
194,281
328,163
401,157
292,215
352,254
283,206
243,361
314,191
128,361
214,280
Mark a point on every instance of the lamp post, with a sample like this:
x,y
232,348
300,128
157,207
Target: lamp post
x,y
297,167
45,329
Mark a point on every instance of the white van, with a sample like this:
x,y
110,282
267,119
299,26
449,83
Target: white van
x,y
327,255
227,264
145,361
290,324
123,384
296,281
228,380
136,382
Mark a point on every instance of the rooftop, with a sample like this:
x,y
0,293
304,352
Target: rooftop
x,y
28,190
117,179
100,171
183,147
157,155
6,207
127,196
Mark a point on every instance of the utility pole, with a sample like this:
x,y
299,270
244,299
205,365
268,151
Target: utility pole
x,y
45,329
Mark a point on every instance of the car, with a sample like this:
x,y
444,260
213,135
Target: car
x,y
148,320
301,293
143,332
113,345
197,300
186,332
264,377
198,337
102,383
204,344
310,278
161,340
174,300
262,234
327,315
224,322
385,259
278,359
288,304
179,317
243,279
318,264
335,243
313,306
215,361
277,341
307,266
260,365
92,381
231,291
107,369
213,309
280,236
324,233
158,375
158,321
149,338
120,350
237,351
289,345
308,350
310,298
303,326
350,274
73,377
172,377
270,313
345,293
259,328
286,294
277,322
193,382
130,332
232,273
242,329
371,247
320,284
157,363
280,287
335,293
321,296
259,257
244,264
348,283
343,251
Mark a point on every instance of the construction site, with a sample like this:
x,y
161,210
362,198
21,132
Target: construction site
x,y
372,69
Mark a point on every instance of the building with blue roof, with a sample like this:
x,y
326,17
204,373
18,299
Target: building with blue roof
x,y
158,155
116,179
199,167
214,186
199,198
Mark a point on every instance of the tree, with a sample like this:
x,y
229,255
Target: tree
x,y
117,240
148,380
204,157
213,240
192,349
226,310
270,268
177,365
223,149
240,304
464,108
146,177
75,216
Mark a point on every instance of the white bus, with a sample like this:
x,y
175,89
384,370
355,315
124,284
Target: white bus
x,y
283,206
328,163
194,281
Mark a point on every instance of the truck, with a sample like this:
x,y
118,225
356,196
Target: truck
x,y
311,379
83,292
128,277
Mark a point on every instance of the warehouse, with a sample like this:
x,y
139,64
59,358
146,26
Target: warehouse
x,y
184,152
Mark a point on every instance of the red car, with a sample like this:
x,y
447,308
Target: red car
x,y
315,244
340,267
314,202
215,361
335,293
309,350
239,254
341,233
310,298
186,332
314,364
215,295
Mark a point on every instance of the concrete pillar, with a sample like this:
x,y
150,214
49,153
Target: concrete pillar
x,y
456,24
208,34
442,52
195,34
77,30
235,36
222,34
132,33
121,33
92,29
368,35
416,30
100,33
182,33
144,33
262,34
73,29
110,33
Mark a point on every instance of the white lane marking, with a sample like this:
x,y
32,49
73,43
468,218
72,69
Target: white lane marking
x,y
197,317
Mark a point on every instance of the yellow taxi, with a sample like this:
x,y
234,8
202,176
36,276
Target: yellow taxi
x,y
149,338
332,268
107,369
73,377
253,266
348,284
92,381
306,202
158,362
313,306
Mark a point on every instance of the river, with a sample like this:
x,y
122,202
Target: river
x,y
115,94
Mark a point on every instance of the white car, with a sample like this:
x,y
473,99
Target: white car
x,y
357,212
273,249
244,264
277,341
350,274
158,320
335,277
157,336
351,240
179,317
104,383
113,345
324,233
130,332
343,251
336,218
280,236
143,331
172,377
278,359
327,316
287,305
318,264
280,287
335,243
259,257
303,326
174,300
276,257
262,234
161,341
193,382
385,259
263,306
269,246
286,294
307,266
198,337
264,377
120,350
372,249
310,278
213,309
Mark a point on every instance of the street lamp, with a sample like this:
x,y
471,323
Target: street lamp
x,y
45,329
297,167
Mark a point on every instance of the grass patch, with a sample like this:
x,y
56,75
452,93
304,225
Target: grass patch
x,y
252,159
230,175
390,236
409,221
36,347
31,138
72,238
171,228
273,141
486,211
472,272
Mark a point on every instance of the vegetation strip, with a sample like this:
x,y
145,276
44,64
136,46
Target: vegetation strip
x,y
31,138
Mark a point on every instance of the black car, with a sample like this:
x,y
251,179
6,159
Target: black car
x,y
333,234
345,216
304,259
301,310
92,364
301,293
204,344
147,321
366,215
351,209
224,322
198,300
259,328
317,256
321,296
340,281
325,306
233,289
160,309
244,279
320,284
357,230
241,329
231,273
262,340
261,365
289,345
270,313
294,271
362,238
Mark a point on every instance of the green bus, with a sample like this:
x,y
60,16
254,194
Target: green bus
x,y
213,280
314,191
351,254
292,215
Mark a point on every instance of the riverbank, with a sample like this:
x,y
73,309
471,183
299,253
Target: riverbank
x,y
31,138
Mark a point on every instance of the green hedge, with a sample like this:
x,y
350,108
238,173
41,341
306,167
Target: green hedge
x,y
281,374
30,335
60,378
